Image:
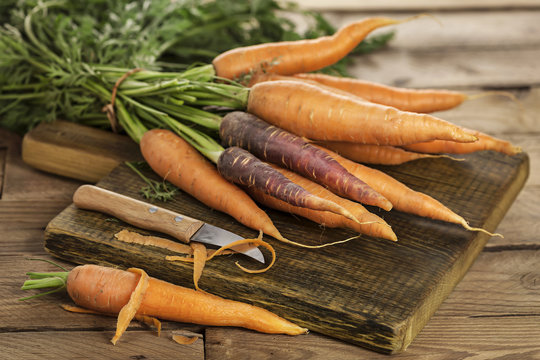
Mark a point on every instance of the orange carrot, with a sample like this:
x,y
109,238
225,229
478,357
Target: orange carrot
x,y
485,142
402,197
175,160
130,293
370,224
374,154
413,100
321,114
292,57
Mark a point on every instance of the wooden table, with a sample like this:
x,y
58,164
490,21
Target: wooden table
x,y
494,312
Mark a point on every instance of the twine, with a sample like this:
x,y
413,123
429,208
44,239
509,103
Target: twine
x,y
109,108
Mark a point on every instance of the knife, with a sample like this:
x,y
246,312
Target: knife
x,y
151,217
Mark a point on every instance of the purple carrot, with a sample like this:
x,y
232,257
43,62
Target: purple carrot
x,y
272,144
243,168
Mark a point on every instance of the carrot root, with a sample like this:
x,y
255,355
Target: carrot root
x,y
468,227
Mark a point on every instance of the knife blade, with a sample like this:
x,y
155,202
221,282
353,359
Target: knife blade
x,y
151,217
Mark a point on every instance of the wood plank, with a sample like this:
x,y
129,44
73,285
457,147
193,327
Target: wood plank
x,y
478,30
520,225
61,149
3,155
414,5
386,309
450,68
95,345
22,224
23,182
485,317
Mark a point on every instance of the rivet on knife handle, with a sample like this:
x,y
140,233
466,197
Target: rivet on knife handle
x,y
135,212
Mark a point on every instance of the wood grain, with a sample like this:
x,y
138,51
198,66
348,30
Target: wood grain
x,y
481,319
59,148
381,302
95,345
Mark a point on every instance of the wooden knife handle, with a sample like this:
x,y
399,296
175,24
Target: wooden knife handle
x,y
135,212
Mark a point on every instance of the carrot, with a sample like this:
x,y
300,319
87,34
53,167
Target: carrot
x,y
130,293
291,57
320,114
175,160
402,197
413,100
485,142
374,154
241,167
371,224
280,147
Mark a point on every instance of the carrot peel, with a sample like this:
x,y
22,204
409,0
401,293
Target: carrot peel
x,y
129,310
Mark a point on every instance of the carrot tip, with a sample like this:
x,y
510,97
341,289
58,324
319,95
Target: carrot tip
x,y
414,17
468,227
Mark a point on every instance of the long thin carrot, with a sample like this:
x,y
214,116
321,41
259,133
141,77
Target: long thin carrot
x,y
375,154
129,293
321,114
370,224
413,100
280,147
292,57
243,168
402,197
485,142
173,159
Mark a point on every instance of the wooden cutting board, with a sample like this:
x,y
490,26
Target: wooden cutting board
x,y
374,293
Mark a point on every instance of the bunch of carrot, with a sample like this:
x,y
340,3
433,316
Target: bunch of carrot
x,y
304,136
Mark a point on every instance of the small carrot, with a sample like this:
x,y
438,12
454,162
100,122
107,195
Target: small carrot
x,y
129,293
280,147
485,142
292,57
370,224
241,167
374,154
320,114
402,197
173,159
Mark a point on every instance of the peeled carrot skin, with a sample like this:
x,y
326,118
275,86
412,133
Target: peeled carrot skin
x,y
176,161
292,57
413,100
107,290
320,114
280,147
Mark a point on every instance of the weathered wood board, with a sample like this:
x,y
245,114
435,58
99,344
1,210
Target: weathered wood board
x,y
374,293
